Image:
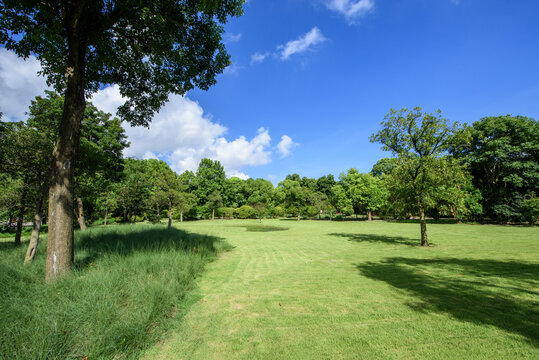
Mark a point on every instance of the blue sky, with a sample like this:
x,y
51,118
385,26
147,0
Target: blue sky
x,y
332,69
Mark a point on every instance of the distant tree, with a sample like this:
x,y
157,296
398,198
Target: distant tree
x,y
234,192
167,186
320,202
418,139
107,202
210,178
260,196
340,198
215,200
185,202
295,196
502,155
83,44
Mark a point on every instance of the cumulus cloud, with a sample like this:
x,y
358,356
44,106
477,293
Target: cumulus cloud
x,y
19,84
182,134
286,145
302,44
352,10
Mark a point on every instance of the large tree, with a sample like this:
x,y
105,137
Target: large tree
x,y
418,139
148,48
502,154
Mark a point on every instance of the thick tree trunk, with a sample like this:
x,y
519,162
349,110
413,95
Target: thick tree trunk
x,y
181,216
22,208
60,234
106,214
424,238
369,215
80,214
36,225
213,214
299,216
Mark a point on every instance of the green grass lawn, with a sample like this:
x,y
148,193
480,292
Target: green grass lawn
x,y
283,290
359,290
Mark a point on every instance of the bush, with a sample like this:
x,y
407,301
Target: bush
x,y
225,212
276,211
531,210
204,212
246,212
310,211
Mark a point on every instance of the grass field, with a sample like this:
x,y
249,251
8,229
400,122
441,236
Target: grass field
x,y
359,290
279,290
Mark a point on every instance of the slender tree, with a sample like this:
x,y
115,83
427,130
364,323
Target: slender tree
x,y
418,139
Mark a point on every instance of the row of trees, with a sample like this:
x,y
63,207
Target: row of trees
x,y
486,171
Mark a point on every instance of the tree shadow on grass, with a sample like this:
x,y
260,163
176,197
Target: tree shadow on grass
x,y
487,292
124,240
373,238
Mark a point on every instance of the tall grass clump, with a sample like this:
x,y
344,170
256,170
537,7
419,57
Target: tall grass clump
x,y
129,283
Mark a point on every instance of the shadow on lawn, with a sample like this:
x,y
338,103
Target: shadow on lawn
x,y
125,240
379,238
476,296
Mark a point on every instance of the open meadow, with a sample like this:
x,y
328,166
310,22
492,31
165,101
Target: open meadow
x,y
280,289
360,290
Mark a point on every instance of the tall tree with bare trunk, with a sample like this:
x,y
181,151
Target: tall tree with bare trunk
x,y
148,48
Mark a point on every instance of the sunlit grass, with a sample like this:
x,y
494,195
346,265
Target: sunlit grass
x,y
359,290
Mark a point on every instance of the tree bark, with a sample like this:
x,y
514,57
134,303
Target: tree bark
x,y
60,236
106,214
36,225
34,238
299,216
22,208
169,215
80,214
424,238
369,215
212,214
181,216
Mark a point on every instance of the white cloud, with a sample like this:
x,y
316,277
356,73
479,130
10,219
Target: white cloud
x,y
302,44
286,145
352,10
182,135
231,38
19,84
259,57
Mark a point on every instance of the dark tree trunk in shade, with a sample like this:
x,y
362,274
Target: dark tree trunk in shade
x,y
80,214
22,208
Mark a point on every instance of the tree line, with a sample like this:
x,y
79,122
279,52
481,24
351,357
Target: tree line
x,y
486,171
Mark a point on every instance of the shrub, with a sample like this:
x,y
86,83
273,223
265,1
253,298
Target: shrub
x,y
245,212
276,211
225,212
